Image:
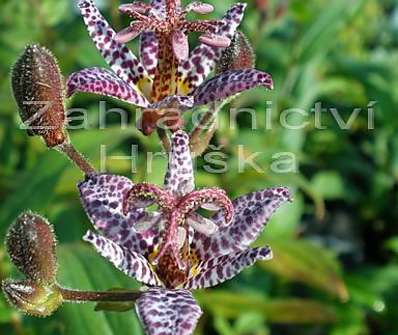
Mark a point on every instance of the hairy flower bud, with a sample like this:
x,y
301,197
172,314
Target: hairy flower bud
x,y
32,298
31,245
238,56
37,87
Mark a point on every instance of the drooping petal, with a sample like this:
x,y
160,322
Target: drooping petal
x,y
168,312
180,45
199,8
218,270
131,32
230,83
129,262
215,40
251,214
104,82
149,49
136,6
179,176
117,55
102,198
204,57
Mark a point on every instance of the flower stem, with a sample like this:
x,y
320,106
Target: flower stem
x,y
76,157
204,121
92,296
164,138
207,122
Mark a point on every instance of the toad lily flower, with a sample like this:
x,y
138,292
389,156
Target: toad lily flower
x,y
144,245
165,78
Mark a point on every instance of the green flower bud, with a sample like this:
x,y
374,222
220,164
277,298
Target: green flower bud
x,y
31,245
32,298
37,87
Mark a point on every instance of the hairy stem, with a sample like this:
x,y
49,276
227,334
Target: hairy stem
x,y
76,157
91,296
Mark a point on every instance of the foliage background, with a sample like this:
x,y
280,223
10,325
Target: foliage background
x,y
336,246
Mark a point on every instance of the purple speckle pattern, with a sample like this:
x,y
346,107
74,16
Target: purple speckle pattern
x,y
168,312
149,51
203,58
251,213
102,198
126,66
217,270
104,82
181,103
230,83
179,177
129,262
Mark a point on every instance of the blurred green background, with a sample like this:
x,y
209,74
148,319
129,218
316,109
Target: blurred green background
x,y
335,269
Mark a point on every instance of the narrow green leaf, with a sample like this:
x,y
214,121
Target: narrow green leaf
x,y
307,263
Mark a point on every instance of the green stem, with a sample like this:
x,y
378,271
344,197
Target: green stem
x,y
92,296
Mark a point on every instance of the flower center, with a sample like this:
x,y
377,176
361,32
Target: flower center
x,y
173,260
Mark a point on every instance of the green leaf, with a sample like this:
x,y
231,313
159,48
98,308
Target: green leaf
x,y
307,263
329,185
82,268
295,311
45,175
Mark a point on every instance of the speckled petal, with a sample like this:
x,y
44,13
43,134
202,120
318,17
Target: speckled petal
x,y
168,312
102,198
230,83
179,176
159,8
129,262
252,212
175,101
218,270
117,55
104,82
149,50
204,58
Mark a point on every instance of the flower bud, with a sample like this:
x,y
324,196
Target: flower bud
x,y
31,245
37,87
238,56
32,298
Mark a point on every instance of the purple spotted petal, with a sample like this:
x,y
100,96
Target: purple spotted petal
x,y
104,82
175,101
129,262
204,57
149,50
230,83
218,270
252,212
102,198
168,312
179,176
159,7
117,55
